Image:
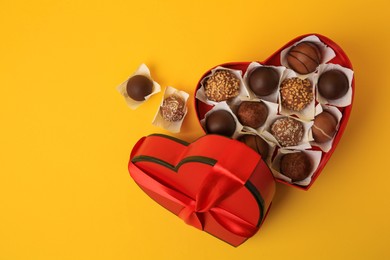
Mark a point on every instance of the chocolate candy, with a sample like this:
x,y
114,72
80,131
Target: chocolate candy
x,y
297,166
256,143
304,57
263,81
296,93
220,122
333,84
221,86
138,87
252,114
324,127
173,108
287,131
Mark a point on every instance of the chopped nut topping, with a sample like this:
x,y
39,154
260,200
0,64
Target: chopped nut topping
x,y
296,93
221,86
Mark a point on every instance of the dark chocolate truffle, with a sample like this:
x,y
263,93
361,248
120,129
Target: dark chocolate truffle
x,y
296,93
256,143
304,57
324,127
297,166
252,114
287,131
221,86
333,84
138,87
220,122
263,81
173,108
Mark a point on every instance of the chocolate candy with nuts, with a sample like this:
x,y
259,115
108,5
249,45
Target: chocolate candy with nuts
x,y
221,86
287,131
296,93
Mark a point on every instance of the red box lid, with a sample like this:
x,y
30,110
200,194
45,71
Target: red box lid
x,y
207,183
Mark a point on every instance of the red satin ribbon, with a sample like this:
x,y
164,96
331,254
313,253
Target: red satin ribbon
x,y
217,186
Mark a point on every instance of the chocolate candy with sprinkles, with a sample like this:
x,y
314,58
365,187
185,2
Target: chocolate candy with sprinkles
x,y
304,57
173,108
287,131
221,86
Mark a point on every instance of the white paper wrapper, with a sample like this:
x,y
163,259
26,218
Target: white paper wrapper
x,y
159,121
327,52
315,157
303,144
224,106
142,70
338,115
308,112
271,145
347,98
200,94
272,112
272,97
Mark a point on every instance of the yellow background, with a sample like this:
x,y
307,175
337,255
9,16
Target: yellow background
x,y
66,133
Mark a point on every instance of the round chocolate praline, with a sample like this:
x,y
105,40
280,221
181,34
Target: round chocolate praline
x,y
256,143
333,84
304,57
220,122
324,127
173,108
297,166
263,81
252,113
138,87
287,131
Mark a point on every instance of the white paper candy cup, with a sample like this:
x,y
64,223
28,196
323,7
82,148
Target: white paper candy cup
x,y
308,112
200,93
338,115
314,156
327,52
144,71
159,121
273,97
224,106
347,98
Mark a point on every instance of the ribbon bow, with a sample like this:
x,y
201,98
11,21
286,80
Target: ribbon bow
x,y
217,186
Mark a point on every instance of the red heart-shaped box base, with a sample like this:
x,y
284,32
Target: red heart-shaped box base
x,y
207,183
341,58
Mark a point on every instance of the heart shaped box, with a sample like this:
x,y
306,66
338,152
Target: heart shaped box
x,y
217,184
341,58
207,183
